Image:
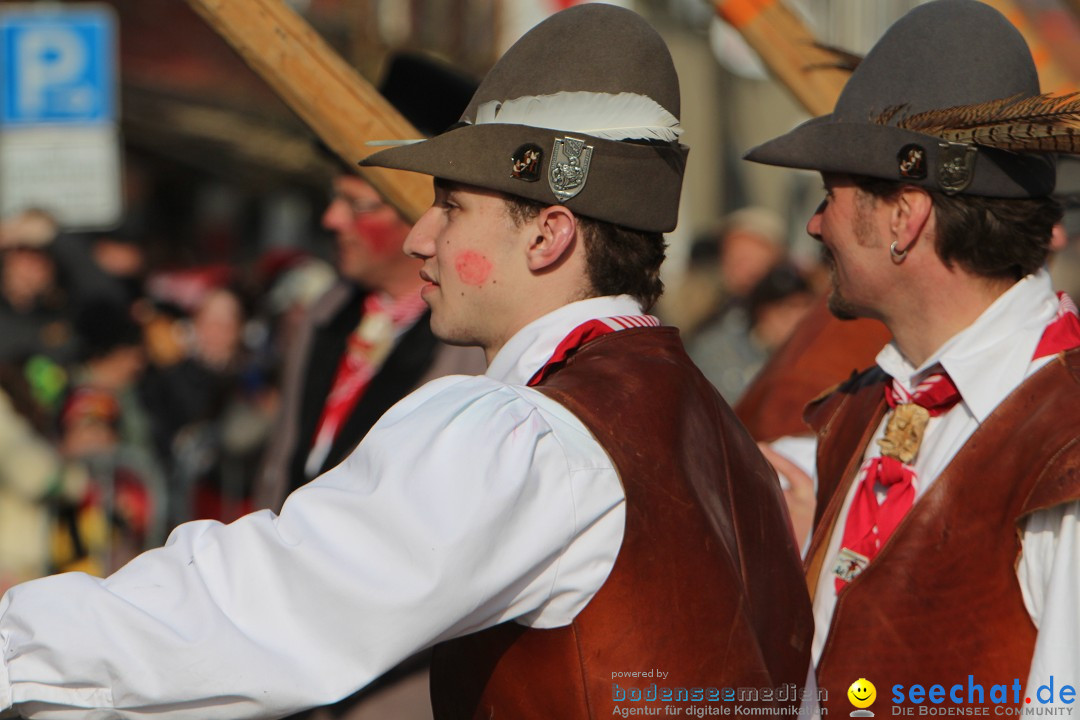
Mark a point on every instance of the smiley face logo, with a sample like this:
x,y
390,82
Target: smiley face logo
x,y
862,693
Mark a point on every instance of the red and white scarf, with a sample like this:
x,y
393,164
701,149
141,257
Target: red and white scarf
x,y
383,320
869,523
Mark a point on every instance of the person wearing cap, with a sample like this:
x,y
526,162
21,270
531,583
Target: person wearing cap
x,y
584,528
945,558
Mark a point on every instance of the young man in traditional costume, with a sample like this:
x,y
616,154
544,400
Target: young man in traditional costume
x,y
584,528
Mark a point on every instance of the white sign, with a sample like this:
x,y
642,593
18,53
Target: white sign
x,y
59,139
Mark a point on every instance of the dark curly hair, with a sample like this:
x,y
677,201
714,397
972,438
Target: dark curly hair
x,y
999,238
620,261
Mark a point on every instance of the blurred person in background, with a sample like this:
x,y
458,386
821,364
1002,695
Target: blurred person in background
x,y
190,394
772,309
122,257
107,266
36,482
1065,263
776,305
750,243
104,424
46,277
35,313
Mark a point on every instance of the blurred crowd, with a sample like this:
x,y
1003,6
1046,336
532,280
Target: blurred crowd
x,y
131,399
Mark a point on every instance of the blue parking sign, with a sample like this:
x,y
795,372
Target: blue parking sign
x,y
57,66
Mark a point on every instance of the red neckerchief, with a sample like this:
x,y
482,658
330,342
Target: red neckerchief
x,y
869,524
586,332
362,358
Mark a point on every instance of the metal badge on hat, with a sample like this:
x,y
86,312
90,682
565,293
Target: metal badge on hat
x,y
912,162
525,163
569,167
956,167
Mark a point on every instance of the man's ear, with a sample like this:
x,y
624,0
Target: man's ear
x,y
555,229
911,212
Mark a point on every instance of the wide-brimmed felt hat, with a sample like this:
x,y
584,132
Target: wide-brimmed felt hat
x,y
582,111
888,122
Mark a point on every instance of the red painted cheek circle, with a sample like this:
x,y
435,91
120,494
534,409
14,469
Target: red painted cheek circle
x,y
472,267
379,232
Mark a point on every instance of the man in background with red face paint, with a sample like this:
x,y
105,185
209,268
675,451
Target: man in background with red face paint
x,y
367,342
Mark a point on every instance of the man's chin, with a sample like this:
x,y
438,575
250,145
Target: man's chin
x,y
450,335
457,341
841,308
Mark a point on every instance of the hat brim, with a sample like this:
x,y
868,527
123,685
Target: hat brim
x,y
629,184
873,150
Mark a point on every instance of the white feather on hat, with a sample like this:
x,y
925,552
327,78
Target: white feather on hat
x,y
621,116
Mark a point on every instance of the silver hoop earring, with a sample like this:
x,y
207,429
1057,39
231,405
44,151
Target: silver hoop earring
x,y
897,255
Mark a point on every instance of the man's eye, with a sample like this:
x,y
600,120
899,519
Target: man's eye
x,y
361,207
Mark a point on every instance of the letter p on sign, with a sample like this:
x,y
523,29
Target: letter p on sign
x,y
57,67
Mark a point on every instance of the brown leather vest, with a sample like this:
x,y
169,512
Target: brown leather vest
x,y
706,586
941,600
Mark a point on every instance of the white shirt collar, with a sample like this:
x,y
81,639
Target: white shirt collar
x,y
532,346
990,357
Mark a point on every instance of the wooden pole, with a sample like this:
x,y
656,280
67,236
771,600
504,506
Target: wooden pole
x,y
340,106
788,49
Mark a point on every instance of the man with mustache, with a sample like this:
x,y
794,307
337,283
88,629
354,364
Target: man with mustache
x,y
945,544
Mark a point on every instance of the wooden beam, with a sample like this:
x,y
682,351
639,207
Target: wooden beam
x,y
788,48
342,108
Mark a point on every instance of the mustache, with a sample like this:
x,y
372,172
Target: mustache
x,y
826,256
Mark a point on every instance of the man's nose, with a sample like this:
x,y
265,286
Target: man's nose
x,y
336,214
420,242
813,225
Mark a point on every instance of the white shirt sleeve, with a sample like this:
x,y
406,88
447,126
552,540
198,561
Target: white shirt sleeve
x,y
1049,575
800,450
469,503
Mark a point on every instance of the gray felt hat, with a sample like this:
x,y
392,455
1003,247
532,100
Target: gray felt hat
x,y
941,55
582,111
